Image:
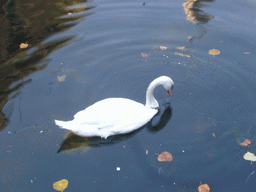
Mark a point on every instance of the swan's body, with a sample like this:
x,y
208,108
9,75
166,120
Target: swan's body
x,y
116,115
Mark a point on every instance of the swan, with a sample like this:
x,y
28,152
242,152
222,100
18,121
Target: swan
x,y
114,116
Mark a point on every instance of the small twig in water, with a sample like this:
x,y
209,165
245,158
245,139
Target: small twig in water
x,y
249,176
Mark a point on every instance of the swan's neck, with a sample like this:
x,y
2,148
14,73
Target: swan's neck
x,y
151,102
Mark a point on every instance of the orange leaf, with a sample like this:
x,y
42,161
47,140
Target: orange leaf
x,y
204,188
246,142
144,54
213,135
165,156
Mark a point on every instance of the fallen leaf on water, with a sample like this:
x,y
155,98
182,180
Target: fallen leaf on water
x,y
146,151
204,188
190,38
249,156
144,54
60,185
183,48
61,78
213,135
214,52
165,156
163,48
183,55
23,45
247,53
246,142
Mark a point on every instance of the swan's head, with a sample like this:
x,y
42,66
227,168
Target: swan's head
x,y
167,83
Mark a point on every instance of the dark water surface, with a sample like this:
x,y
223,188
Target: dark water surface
x,y
98,46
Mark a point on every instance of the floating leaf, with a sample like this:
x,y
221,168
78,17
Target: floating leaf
x,y
204,188
190,38
60,185
246,142
183,48
146,151
183,55
163,48
214,52
249,156
61,78
165,156
247,53
213,135
23,45
144,54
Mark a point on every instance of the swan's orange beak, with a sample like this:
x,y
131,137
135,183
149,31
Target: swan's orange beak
x,y
169,92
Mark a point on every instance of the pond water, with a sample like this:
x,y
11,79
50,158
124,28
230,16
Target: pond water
x,y
80,52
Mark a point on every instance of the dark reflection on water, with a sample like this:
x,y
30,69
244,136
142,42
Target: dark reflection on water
x,y
74,141
30,22
194,13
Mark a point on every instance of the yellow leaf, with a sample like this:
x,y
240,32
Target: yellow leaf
x,y
165,156
214,52
163,48
144,54
60,185
61,78
204,188
23,45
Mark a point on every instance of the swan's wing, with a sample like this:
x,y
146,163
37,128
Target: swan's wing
x,y
112,116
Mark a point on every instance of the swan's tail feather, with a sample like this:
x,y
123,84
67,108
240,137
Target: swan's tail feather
x,y
65,124
83,130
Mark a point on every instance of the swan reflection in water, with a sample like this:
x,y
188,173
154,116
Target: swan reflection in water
x,y
74,141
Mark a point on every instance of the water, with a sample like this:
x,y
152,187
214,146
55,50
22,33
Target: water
x,y
98,46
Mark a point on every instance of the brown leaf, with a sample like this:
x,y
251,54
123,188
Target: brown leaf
x,y
214,52
247,53
163,48
144,54
23,45
213,135
204,188
246,142
165,156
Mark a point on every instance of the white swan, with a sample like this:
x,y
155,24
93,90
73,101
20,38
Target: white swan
x,y
116,115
